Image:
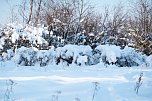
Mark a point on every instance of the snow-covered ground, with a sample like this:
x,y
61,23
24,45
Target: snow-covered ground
x,y
73,83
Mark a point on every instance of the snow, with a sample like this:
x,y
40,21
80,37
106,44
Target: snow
x,y
73,50
2,42
74,82
67,80
56,20
82,60
91,34
15,37
4,55
1,47
111,52
30,33
106,49
82,20
149,61
51,33
10,53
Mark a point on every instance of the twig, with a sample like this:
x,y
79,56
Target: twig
x,y
139,83
96,88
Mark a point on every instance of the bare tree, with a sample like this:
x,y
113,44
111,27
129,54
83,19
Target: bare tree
x,y
12,14
23,11
70,13
30,11
118,18
37,17
142,15
141,23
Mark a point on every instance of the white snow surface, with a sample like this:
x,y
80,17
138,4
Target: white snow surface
x,y
58,83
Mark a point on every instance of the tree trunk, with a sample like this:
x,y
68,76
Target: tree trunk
x,y
38,12
30,11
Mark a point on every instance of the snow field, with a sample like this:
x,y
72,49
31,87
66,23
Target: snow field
x,y
75,83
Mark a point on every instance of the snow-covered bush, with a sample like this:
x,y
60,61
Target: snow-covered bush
x,y
125,61
79,38
45,56
29,56
130,59
108,53
72,54
94,57
82,60
79,55
28,36
7,55
4,56
64,56
25,56
149,61
10,54
127,57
